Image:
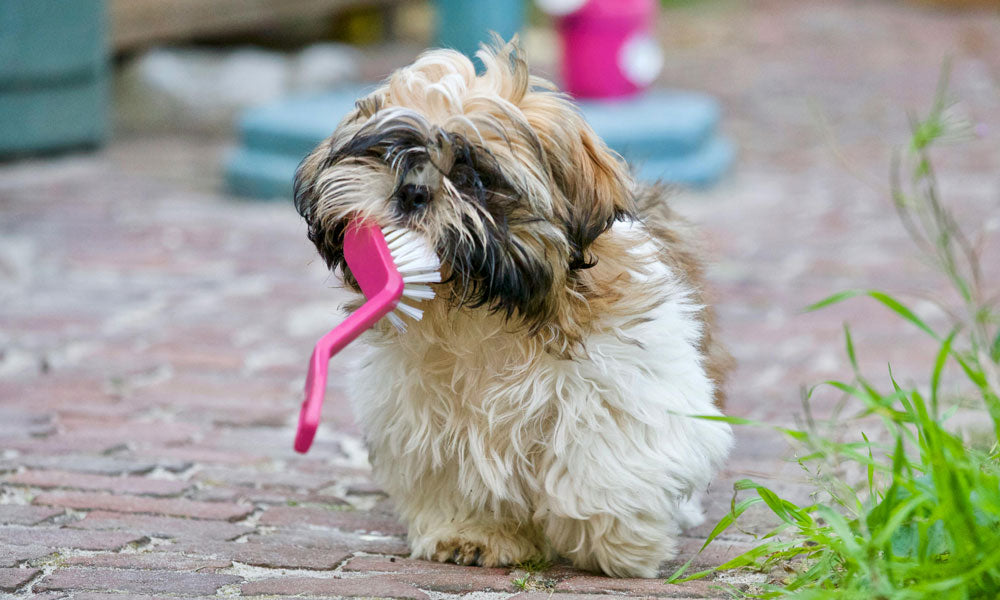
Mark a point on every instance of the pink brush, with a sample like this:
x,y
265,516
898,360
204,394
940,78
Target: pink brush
x,y
388,264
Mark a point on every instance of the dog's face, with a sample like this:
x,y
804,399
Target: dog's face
x,y
498,172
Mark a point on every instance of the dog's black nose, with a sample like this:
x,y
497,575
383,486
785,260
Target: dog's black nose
x,y
412,197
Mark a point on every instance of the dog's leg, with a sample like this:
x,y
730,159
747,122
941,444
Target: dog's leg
x,y
444,526
620,546
617,490
477,541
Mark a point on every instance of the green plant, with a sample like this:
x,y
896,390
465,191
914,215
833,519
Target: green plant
x,y
924,518
521,582
535,564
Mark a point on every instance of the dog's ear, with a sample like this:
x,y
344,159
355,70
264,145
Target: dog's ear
x,y
593,184
596,185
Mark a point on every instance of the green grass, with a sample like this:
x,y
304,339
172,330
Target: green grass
x,y
923,518
521,582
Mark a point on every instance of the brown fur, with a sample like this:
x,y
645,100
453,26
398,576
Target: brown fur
x,y
561,190
542,403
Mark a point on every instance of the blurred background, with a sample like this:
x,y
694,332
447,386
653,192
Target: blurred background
x,y
159,298
654,76
133,134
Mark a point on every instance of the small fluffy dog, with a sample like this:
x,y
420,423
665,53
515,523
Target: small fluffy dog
x,y
542,405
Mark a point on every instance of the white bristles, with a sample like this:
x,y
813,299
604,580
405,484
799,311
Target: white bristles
x,y
421,292
429,277
418,265
397,322
409,311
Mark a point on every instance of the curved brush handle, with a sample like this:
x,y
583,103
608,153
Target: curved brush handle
x,y
370,261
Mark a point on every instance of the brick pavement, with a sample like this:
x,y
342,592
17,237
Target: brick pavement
x,y
153,332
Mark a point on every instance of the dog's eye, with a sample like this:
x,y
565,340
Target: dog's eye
x,y
465,177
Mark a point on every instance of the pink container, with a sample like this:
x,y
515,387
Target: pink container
x,y
608,50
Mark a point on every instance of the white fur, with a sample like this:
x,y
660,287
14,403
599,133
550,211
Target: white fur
x,y
482,438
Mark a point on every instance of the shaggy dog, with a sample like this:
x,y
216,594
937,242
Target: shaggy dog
x,y
542,405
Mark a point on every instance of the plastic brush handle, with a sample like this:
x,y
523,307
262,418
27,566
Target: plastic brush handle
x,y
370,261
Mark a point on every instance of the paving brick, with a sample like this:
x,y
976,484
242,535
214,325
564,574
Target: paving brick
x,y
284,478
365,488
82,481
454,582
409,565
247,417
264,496
62,444
179,507
132,432
368,587
163,527
346,520
67,538
538,595
202,455
102,465
11,555
439,577
100,596
26,514
15,422
139,582
12,579
595,584
327,539
718,552
49,596
271,555
148,560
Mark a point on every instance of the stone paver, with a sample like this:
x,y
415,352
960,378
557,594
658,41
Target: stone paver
x,y
81,481
162,526
13,579
177,507
20,514
67,538
382,587
142,582
11,555
154,332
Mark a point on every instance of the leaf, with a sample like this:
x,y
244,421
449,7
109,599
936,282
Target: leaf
x,y
850,348
681,569
900,309
729,519
939,362
841,528
871,466
835,298
885,299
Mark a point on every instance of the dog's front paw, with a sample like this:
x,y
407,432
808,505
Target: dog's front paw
x,y
484,547
464,552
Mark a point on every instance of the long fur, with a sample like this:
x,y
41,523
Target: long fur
x,y
543,404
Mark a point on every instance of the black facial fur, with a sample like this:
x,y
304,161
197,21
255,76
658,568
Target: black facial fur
x,y
582,230
584,225
494,270
489,269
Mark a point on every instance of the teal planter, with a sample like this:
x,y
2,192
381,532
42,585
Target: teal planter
x,y
666,135
464,24
53,75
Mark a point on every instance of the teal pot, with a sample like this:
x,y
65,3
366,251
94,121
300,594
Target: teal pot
x,y
464,24
53,75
